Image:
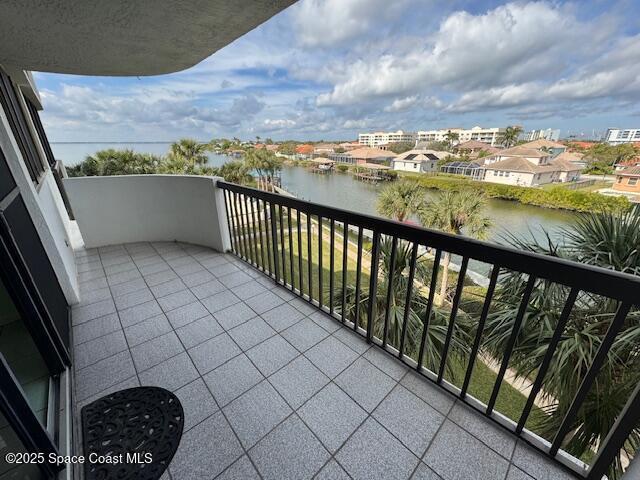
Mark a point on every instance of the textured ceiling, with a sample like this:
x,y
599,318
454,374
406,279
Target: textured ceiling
x,y
123,37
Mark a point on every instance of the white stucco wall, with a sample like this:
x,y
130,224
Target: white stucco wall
x,y
515,178
46,209
136,208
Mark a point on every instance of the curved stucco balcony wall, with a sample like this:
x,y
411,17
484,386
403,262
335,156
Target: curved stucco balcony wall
x,y
140,208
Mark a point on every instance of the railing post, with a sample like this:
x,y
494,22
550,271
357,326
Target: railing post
x,y
274,238
373,284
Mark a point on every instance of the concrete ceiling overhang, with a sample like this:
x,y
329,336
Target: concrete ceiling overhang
x,y
123,37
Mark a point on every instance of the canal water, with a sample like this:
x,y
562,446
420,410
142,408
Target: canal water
x,y
341,191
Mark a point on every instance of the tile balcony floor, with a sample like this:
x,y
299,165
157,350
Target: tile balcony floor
x,y
271,387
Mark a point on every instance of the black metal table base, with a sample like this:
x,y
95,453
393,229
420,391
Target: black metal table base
x,y
131,434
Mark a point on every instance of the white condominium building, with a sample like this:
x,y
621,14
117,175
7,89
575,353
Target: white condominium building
x,y
548,134
618,136
376,139
490,136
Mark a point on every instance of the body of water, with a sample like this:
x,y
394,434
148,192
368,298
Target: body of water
x,y
341,191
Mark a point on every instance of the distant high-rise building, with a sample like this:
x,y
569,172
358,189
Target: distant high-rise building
x,y
618,136
377,139
490,136
548,134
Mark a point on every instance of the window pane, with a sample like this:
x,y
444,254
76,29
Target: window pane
x,y
10,443
22,356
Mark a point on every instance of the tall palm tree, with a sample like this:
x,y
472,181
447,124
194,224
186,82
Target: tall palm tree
x,y
451,138
235,172
395,308
510,136
401,199
266,165
452,211
191,151
608,240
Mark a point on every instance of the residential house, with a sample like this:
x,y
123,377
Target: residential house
x,y
363,155
419,161
324,149
474,148
520,166
304,152
554,148
628,182
634,162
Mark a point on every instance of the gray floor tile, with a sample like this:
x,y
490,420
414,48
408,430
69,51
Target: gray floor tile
x,y
91,275
189,269
147,329
424,473
456,455
534,464
516,474
272,354
132,299
289,451
213,353
206,450
256,412
234,279
197,278
89,266
219,301
93,296
282,292
128,287
181,260
186,314
304,334
171,374
222,269
282,317
241,470
327,322
120,267
409,418
141,312
332,471
331,356
121,277
153,268
249,290
434,396
95,310
160,277
298,381
251,333
234,315
208,289
365,383
197,403
103,374
483,429
88,285
332,415
303,306
352,340
374,453
95,328
175,300
385,362
232,379
154,351
130,382
262,302
198,331
167,288
102,347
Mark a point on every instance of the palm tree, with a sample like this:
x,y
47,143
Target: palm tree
x,y
452,211
395,308
115,162
235,172
266,165
509,137
451,138
191,151
401,199
608,240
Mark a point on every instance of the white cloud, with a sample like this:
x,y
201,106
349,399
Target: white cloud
x,y
322,23
512,43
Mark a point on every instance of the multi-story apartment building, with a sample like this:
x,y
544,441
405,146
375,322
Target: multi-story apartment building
x,y
618,136
377,139
490,136
548,134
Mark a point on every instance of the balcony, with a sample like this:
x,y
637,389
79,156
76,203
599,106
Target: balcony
x,y
278,367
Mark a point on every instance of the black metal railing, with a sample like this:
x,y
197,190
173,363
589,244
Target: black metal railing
x,y
381,279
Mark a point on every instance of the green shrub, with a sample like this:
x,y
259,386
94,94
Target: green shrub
x,y
555,197
342,168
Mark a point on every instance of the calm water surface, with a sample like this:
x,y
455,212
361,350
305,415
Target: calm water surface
x,y
341,191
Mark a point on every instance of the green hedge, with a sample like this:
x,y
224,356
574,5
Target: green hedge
x,y
555,197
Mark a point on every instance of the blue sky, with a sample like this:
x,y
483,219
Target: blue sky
x,y
330,69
